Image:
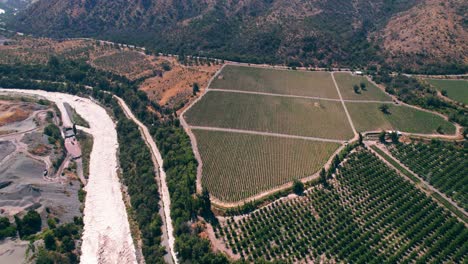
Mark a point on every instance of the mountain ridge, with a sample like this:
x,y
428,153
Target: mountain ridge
x,y
317,33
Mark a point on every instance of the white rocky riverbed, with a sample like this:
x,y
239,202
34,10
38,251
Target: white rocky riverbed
x,y
106,236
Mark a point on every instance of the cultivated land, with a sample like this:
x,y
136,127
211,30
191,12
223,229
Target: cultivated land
x,y
313,84
456,89
368,117
346,82
369,214
292,116
237,166
443,165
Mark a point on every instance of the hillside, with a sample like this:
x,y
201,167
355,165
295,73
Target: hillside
x,y
317,33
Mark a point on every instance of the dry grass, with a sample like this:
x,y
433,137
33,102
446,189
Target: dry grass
x,y
175,86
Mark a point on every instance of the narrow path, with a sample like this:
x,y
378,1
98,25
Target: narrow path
x,y
241,131
161,179
344,106
298,96
426,184
193,139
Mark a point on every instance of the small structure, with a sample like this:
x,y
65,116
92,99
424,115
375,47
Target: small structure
x,y
358,73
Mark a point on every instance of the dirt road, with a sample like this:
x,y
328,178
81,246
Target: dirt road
x,y
163,189
299,96
106,236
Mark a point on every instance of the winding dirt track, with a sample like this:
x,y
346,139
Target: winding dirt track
x,y
161,178
106,236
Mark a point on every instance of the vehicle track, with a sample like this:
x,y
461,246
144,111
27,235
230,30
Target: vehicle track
x,y
299,96
240,131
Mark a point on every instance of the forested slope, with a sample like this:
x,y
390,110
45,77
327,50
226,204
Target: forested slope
x,y
319,33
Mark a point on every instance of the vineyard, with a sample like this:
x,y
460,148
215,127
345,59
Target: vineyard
x,y
131,64
293,116
456,89
367,91
369,117
319,84
367,214
236,166
443,165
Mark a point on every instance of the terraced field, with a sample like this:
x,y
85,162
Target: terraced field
x,y
293,116
443,165
456,89
315,84
236,166
368,117
346,83
369,214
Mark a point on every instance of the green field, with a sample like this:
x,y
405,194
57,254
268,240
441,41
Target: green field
x,y
346,82
369,214
236,166
368,117
315,84
293,116
456,89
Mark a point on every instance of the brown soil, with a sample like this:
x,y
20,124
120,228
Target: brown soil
x,y
176,85
40,150
432,28
11,112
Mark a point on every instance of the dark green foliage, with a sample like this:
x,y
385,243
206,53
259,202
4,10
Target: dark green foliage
x,y
30,224
138,175
49,241
382,137
195,88
6,228
53,132
298,187
384,108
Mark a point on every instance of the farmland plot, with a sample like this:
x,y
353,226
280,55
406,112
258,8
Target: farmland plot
x,y
314,84
368,117
236,166
293,116
442,165
456,89
369,214
369,91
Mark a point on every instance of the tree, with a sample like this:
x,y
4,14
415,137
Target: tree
x,y
49,241
363,86
30,224
384,108
298,187
444,92
356,89
323,178
195,88
382,136
6,228
360,139
394,137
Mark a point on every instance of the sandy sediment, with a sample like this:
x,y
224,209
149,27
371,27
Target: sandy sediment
x,y
106,236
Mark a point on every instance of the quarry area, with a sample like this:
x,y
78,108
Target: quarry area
x,y
43,168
